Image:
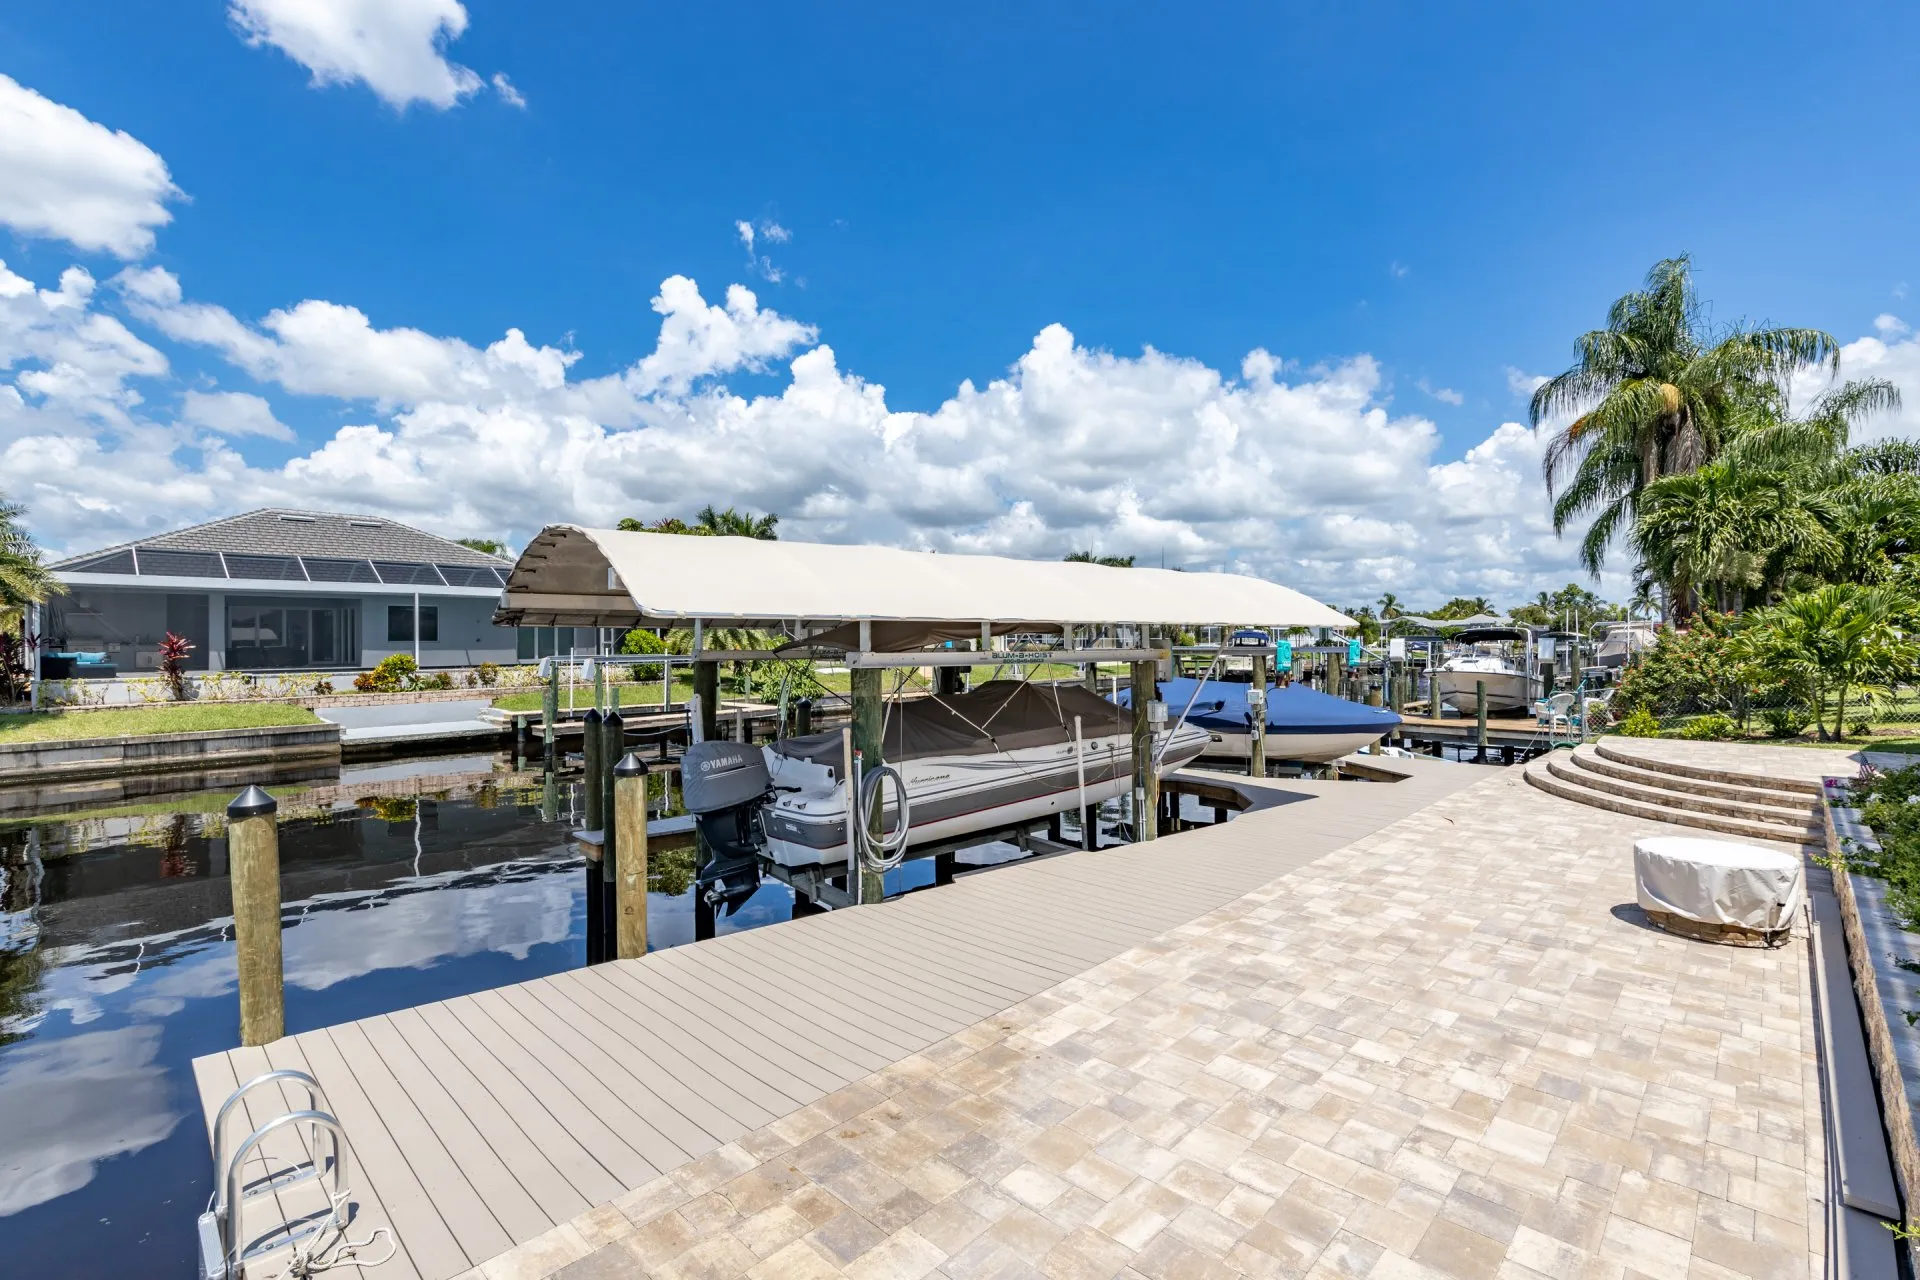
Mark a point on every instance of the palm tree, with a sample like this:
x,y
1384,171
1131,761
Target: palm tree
x,y
1390,605
710,523
1832,640
736,524
1727,532
1658,393
1874,521
24,580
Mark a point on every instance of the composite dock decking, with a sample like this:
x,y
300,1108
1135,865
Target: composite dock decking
x,y
481,1122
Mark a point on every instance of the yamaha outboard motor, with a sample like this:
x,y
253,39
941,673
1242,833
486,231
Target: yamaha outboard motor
x,y
724,784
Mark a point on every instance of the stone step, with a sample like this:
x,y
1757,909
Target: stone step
x,y
1538,775
1588,757
1572,769
1616,750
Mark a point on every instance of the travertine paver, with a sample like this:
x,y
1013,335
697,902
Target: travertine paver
x,y
1451,1049
1757,759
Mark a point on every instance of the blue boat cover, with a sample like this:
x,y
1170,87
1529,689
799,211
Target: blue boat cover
x,y
1222,706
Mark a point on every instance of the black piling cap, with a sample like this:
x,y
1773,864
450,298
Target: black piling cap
x,y
592,716
252,803
613,719
630,766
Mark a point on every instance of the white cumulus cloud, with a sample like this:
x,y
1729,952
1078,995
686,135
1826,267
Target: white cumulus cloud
x,y
1306,476
65,177
396,47
233,413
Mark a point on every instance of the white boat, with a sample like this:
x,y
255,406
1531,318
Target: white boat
x,y
972,762
1620,641
1488,657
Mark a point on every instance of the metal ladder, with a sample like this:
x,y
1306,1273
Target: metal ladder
x,y
224,1251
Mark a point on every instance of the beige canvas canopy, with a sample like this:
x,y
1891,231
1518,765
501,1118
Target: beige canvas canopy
x,y
574,576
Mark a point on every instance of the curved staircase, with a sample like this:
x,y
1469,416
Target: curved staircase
x,y
1607,775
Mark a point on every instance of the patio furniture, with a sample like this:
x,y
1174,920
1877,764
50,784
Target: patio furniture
x,y
1718,890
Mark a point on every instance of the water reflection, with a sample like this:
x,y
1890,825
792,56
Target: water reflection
x,y
67,1104
117,968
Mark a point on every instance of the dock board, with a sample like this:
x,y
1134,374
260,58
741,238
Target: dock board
x,y
480,1122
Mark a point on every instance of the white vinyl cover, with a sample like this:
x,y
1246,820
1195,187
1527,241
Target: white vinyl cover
x,y
1718,881
563,578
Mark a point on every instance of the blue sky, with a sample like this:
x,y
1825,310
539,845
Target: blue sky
x,y
1411,207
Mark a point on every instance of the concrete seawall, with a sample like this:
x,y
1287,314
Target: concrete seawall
x,y
33,764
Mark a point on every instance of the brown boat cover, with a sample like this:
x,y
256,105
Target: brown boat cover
x,y
1000,715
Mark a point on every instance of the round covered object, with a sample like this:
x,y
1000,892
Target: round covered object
x,y
1739,888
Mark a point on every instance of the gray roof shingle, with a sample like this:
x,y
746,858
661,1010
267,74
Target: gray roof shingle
x,y
281,531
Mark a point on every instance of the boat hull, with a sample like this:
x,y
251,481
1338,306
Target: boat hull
x,y
1506,690
954,796
1313,748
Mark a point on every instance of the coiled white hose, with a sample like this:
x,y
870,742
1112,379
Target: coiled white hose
x,y
882,852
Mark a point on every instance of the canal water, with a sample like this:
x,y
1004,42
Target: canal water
x,y
117,970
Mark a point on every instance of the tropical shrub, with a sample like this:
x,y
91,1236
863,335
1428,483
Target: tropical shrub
x,y
487,673
394,673
1639,724
1890,803
441,680
639,641
1833,641
173,665
323,686
1787,721
1690,670
1710,728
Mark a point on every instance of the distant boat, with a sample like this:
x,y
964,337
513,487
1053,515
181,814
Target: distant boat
x,y
1489,658
1302,723
1619,641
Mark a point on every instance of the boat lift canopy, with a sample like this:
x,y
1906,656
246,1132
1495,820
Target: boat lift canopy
x,y
575,576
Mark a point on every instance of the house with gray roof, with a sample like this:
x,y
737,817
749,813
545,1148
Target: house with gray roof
x,y
284,590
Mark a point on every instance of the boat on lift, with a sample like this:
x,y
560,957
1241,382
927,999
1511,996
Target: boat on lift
x,y
980,761
1302,723
1493,655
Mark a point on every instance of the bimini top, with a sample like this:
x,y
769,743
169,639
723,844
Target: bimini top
x,y
1294,708
572,576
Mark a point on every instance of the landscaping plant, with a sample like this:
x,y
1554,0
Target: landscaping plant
x,y
1640,724
1889,802
173,665
395,673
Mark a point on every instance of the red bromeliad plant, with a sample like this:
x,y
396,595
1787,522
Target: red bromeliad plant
x,y
173,665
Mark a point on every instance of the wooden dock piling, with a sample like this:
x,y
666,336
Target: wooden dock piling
x,y
549,713
706,688
253,856
1257,746
1146,780
595,818
1480,719
630,827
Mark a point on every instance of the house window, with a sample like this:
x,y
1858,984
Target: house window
x,y
268,633
400,623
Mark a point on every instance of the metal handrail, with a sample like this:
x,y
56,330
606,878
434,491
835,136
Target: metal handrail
x,y
221,1245
316,1099
319,1119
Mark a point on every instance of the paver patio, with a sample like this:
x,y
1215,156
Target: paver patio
x,y
1452,1048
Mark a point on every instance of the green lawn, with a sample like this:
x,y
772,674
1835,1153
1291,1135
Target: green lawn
x,y
55,726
